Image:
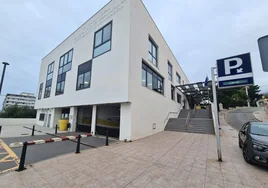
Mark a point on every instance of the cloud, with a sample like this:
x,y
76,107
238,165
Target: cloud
x,y
198,31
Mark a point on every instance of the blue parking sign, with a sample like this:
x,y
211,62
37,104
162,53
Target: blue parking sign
x,y
235,71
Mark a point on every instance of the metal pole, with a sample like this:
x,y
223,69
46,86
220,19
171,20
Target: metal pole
x,y
22,158
56,129
247,96
3,75
0,128
107,139
217,131
33,130
78,144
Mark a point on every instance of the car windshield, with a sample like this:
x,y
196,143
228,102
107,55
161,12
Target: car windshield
x,y
259,129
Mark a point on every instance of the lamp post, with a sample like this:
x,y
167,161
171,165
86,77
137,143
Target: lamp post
x,y
3,75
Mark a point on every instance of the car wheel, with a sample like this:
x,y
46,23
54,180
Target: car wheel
x,y
245,155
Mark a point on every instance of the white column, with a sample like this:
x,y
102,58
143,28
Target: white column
x,y
125,122
94,119
73,118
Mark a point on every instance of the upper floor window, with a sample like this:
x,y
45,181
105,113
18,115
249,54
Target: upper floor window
x,y
84,75
65,65
49,79
40,91
102,40
66,62
178,78
151,79
152,52
169,71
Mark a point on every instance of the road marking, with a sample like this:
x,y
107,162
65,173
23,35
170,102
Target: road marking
x,y
9,157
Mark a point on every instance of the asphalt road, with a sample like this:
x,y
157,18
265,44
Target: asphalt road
x,y
237,118
41,152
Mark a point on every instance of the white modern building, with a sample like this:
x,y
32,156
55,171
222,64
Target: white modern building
x,y
23,99
116,72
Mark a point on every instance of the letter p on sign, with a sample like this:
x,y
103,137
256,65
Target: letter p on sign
x,y
228,66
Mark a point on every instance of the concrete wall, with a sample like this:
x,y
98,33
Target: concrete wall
x,y
17,121
149,109
109,75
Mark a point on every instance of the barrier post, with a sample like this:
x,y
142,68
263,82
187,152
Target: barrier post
x,y
78,144
33,130
107,138
0,128
22,158
56,129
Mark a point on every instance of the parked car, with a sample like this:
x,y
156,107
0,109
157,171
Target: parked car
x,y
253,139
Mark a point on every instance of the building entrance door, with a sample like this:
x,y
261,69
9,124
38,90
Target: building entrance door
x,y
48,121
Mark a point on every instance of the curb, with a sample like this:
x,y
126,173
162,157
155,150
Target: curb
x,y
257,119
48,140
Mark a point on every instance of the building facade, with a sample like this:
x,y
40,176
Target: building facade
x,y
115,72
23,99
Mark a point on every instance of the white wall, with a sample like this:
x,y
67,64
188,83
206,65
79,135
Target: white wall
x,y
109,79
17,121
149,108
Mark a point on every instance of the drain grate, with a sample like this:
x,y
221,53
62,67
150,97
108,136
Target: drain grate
x,y
25,134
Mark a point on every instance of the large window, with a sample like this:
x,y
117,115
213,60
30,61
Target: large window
x,y
169,71
49,80
172,92
151,79
178,78
102,40
152,52
178,98
40,91
84,75
65,65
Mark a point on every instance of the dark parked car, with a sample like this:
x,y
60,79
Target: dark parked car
x,y
253,139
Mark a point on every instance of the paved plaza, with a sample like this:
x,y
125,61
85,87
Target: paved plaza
x,y
166,159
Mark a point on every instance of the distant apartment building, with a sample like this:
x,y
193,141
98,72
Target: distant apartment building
x,y
23,99
116,72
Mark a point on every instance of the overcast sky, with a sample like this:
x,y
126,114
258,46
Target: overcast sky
x,y
198,31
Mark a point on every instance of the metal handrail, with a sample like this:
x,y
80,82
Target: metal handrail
x,y
169,114
194,110
187,121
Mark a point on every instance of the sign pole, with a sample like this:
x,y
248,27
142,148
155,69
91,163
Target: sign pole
x,y
217,131
247,96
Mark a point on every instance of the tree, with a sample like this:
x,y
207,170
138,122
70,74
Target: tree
x,y
18,112
254,94
237,96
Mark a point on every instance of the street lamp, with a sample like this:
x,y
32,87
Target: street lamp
x,y
3,75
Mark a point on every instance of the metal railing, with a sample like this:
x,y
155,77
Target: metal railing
x,y
187,122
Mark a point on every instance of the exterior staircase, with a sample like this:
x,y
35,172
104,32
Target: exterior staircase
x,y
198,121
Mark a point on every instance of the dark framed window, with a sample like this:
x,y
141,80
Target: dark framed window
x,y
60,84
65,113
102,40
50,70
84,75
172,92
152,52
41,117
151,79
40,91
169,71
66,62
178,78
178,98
64,66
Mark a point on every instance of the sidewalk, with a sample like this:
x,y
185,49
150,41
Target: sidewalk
x,y
261,116
166,159
25,130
